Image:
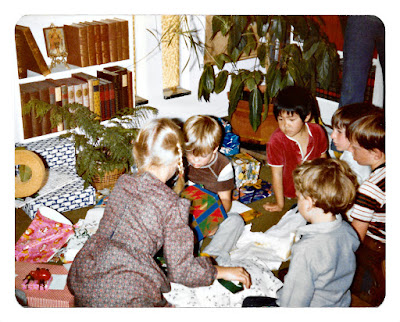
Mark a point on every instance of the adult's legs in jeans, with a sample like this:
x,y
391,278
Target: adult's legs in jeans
x,y
363,34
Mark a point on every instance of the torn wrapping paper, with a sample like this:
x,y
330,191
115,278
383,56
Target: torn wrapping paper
x,y
264,283
272,246
84,228
46,234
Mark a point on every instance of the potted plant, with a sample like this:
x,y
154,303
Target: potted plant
x,y
103,149
306,61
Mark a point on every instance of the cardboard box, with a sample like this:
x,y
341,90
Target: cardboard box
x,y
60,297
206,210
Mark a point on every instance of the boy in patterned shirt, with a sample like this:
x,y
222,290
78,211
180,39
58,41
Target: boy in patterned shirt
x,y
368,215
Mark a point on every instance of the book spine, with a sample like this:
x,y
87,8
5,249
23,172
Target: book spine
x,y
96,96
112,41
27,118
125,39
102,102
118,27
44,96
112,99
36,126
105,47
71,94
52,99
59,102
78,94
91,45
40,64
85,95
83,47
97,44
107,100
130,89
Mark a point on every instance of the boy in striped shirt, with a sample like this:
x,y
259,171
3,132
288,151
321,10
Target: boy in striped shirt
x,y
367,144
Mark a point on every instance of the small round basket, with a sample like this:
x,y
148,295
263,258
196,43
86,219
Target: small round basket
x,y
108,180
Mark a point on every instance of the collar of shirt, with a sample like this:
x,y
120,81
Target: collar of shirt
x,y
303,156
319,228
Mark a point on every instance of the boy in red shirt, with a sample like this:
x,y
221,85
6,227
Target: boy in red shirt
x,y
293,142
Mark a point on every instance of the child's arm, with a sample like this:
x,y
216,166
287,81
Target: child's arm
x,y
277,185
360,227
226,199
234,274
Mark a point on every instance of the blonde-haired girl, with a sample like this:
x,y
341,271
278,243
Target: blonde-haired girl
x,y
116,266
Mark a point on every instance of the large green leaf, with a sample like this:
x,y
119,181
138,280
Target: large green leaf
x,y
309,53
220,81
261,52
323,70
235,93
209,80
255,105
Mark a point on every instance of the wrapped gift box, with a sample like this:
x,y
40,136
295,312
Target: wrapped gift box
x,y
250,193
57,294
36,285
230,142
247,169
206,210
56,151
69,197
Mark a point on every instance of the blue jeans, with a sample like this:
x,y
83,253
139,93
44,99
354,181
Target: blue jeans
x,y
362,35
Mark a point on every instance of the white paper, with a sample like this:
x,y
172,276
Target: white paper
x,y
58,282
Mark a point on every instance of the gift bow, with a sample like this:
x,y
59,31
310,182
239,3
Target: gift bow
x,y
256,185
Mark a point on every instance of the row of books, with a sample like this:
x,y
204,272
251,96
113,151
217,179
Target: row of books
x,y
97,42
104,94
333,92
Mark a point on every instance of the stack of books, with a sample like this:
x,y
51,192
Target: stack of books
x,y
97,42
105,94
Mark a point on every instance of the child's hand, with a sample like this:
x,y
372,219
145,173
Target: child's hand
x,y
234,274
272,207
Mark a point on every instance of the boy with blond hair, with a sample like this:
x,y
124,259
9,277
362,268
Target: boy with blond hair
x,y
214,171
323,261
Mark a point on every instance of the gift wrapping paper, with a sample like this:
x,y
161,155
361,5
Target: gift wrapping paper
x,y
247,169
206,210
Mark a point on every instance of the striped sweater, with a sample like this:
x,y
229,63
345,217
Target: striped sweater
x,y
370,204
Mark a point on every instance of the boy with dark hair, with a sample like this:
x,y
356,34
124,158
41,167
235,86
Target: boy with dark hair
x,y
294,142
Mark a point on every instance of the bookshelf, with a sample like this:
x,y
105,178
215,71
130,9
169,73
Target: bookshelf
x,y
36,24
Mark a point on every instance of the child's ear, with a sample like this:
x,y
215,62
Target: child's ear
x,y
310,203
308,118
216,149
378,154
